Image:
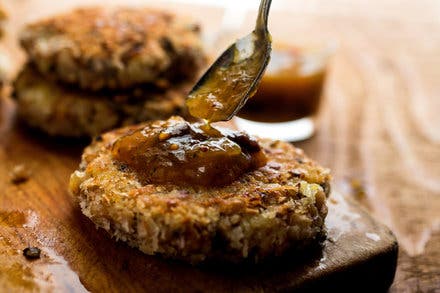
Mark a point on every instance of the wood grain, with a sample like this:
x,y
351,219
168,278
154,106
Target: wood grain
x,y
379,127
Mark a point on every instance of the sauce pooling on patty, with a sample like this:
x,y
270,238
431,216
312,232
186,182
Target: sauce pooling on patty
x,y
182,153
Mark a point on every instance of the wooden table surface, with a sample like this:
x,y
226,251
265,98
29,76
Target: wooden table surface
x,y
379,127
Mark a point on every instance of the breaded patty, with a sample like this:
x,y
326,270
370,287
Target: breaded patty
x,y
115,47
264,212
63,111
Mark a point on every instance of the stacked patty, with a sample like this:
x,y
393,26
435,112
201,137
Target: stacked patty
x,y
94,69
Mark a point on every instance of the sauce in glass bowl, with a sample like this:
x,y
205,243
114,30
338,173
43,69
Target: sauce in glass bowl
x,y
287,102
290,89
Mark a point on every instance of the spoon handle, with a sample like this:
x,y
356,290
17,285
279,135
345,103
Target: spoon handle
x,y
263,12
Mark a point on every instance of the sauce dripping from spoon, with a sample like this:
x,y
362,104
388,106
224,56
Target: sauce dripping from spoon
x,y
234,77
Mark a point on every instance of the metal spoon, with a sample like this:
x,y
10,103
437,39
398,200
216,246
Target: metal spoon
x,y
234,77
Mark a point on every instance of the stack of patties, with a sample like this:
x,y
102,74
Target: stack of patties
x,y
94,69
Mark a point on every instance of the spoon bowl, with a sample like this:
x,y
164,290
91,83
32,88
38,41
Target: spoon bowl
x,y
234,77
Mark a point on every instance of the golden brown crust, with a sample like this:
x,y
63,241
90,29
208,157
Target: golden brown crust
x,y
64,111
265,212
115,47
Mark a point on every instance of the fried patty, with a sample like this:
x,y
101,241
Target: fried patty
x,y
63,111
115,47
265,212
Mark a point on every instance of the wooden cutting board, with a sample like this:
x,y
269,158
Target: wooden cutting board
x,y
359,253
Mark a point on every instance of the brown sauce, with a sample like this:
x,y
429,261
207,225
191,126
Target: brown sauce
x,y
232,79
290,89
182,153
219,97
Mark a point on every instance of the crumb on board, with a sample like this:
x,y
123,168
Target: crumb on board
x,y
19,174
358,189
32,252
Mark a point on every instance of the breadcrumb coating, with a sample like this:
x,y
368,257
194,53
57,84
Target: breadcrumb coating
x,y
265,212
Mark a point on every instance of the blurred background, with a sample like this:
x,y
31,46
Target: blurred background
x,y
378,124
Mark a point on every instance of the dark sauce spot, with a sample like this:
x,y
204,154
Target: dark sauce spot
x,y
245,141
166,44
122,167
32,252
